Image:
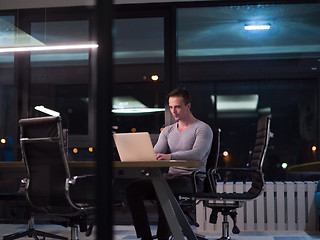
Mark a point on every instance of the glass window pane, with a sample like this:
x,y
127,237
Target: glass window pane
x,y
8,31
61,32
8,124
60,81
215,33
138,102
242,74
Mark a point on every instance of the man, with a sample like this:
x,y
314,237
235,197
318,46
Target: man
x,y
187,139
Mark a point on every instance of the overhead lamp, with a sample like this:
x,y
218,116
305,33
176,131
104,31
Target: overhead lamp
x,y
48,111
138,110
130,105
237,103
13,39
253,27
48,47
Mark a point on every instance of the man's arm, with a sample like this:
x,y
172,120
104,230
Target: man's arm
x,y
200,148
161,148
163,156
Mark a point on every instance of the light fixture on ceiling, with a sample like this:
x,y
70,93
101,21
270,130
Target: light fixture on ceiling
x,y
48,111
137,110
49,47
253,27
130,105
237,103
13,39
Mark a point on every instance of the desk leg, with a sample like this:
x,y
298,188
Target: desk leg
x,y
177,221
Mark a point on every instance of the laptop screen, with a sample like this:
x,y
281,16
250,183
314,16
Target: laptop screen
x,y
134,146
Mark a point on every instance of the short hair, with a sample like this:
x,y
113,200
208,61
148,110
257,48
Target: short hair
x,y
179,92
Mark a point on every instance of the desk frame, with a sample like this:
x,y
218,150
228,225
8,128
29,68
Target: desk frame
x,y
176,219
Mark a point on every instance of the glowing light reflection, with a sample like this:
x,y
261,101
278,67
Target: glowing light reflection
x,y
48,48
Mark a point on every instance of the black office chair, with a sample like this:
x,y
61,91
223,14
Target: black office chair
x,y
189,204
49,185
232,201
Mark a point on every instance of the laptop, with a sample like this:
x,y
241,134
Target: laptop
x,y
134,147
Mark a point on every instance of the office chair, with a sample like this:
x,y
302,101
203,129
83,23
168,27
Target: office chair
x,y
232,201
49,185
188,204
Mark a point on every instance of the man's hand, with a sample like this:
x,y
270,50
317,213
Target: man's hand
x,y
161,156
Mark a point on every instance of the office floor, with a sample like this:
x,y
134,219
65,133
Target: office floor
x,y
127,233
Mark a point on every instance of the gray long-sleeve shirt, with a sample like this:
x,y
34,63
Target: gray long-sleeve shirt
x,y
194,143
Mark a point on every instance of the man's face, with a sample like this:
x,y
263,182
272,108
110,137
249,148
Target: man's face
x,y
178,109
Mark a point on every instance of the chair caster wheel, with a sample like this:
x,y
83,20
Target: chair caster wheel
x,y
235,230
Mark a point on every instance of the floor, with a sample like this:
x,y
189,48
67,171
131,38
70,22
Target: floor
x,y
127,233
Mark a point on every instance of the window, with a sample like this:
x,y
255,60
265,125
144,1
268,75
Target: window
x,y
242,74
61,81
139,94
7,111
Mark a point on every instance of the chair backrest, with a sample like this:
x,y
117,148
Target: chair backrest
x,y
212,160
213,157
43,152
258,155
65,134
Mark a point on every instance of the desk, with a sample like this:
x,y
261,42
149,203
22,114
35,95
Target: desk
x,y
118,164
177,221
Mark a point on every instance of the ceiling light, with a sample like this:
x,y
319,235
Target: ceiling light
x,y
48,111
130,105
137,110
237,103
257,26
13,39
48,47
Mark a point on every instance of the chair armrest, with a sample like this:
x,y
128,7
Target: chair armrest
x,y
232,174
89,177
213,177
194,176
82,188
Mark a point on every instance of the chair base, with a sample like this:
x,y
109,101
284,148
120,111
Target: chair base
x,y
225,228
32,233
225,211
199,237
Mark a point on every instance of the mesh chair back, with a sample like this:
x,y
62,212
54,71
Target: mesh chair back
x,y
43,152
213,157
212,160
259,152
